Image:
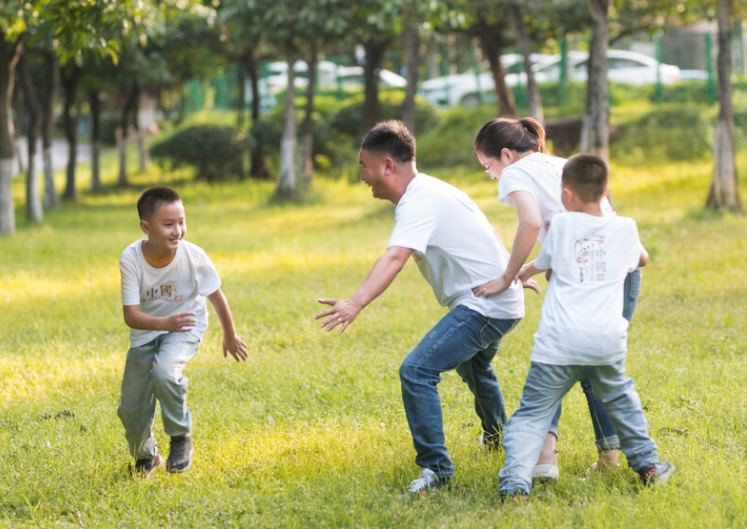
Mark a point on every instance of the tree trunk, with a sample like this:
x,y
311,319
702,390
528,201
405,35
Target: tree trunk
x,y
492,46
307,136
70,124
241,97
34,211
724,186
123,136
286,186
51,198
258,165
95,103
10,52
143,160
522,38
595,130
374,55
411,45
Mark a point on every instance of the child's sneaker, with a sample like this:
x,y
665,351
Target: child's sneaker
x,y
427,480
146,466
180,456
656,474
514,495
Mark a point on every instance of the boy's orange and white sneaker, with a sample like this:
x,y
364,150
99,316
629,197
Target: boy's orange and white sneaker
x,y
656,474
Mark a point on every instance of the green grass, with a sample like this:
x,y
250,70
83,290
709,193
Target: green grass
x,y
310,431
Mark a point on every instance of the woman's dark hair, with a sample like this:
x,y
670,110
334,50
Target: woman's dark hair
x,y
520,135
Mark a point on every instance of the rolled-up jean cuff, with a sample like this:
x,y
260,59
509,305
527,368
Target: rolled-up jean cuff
x,y
608,443
553,430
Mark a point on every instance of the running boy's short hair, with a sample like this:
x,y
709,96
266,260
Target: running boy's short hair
x,y
587,175
152,198
393,138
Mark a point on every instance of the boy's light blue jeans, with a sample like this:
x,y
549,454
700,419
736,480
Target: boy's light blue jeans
x,y
154,372
545,387
464,340
604,431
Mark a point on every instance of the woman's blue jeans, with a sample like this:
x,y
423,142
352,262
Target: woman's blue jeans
x,y
464,340
604,431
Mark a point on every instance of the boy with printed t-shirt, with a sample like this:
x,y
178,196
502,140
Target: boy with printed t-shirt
x,y
582,334
165,281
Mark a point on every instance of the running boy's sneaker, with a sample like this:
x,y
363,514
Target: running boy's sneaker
x,y
146,466
427,480
655,474
180,456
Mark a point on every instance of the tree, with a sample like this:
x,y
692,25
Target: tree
x,y
596,120
34,108
75,26
723,192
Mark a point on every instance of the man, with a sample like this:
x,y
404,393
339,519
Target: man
x,y
456,250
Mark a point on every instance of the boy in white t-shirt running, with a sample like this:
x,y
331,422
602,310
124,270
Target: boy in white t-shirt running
x,y
165,281
582,334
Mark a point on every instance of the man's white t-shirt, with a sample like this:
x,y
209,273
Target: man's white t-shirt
x,y
180,286
581,321
455,247
539,174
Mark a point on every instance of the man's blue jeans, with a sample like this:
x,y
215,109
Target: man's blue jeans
x,y
464,340
545,387
604,430
154,372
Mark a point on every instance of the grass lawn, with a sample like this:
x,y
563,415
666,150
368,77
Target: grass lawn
x,y
310,430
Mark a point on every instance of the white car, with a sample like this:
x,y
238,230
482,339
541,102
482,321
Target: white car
x,y
626,67
329,76
463,89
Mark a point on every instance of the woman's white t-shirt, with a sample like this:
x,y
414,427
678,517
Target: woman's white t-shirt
x,y
539,174
581,321
180,286
455,247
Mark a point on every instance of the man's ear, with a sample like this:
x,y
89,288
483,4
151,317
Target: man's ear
x,y
144,226
388,162
606,191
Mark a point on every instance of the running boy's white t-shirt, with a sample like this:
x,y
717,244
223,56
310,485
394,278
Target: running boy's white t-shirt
x,y
539,174
180,286
455,247
581,321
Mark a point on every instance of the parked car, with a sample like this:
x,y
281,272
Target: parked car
x,y
627,67
463,89
329,74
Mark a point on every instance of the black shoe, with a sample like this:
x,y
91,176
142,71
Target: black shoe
x,y
516,496
180,456
146,466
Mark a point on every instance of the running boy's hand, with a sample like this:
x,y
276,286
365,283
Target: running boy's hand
x,y
235,346
180,322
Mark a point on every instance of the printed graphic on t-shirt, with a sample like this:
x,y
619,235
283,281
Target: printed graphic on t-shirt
x,y
164,292
591,259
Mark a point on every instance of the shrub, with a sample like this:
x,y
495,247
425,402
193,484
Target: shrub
x,y
348,119
216,152
676,132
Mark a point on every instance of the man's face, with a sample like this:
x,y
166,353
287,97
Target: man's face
x,y
372,170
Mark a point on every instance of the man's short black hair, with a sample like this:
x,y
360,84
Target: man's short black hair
x,y
393,138
152,198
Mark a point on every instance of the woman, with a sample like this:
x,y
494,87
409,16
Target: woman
x,y
513,152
